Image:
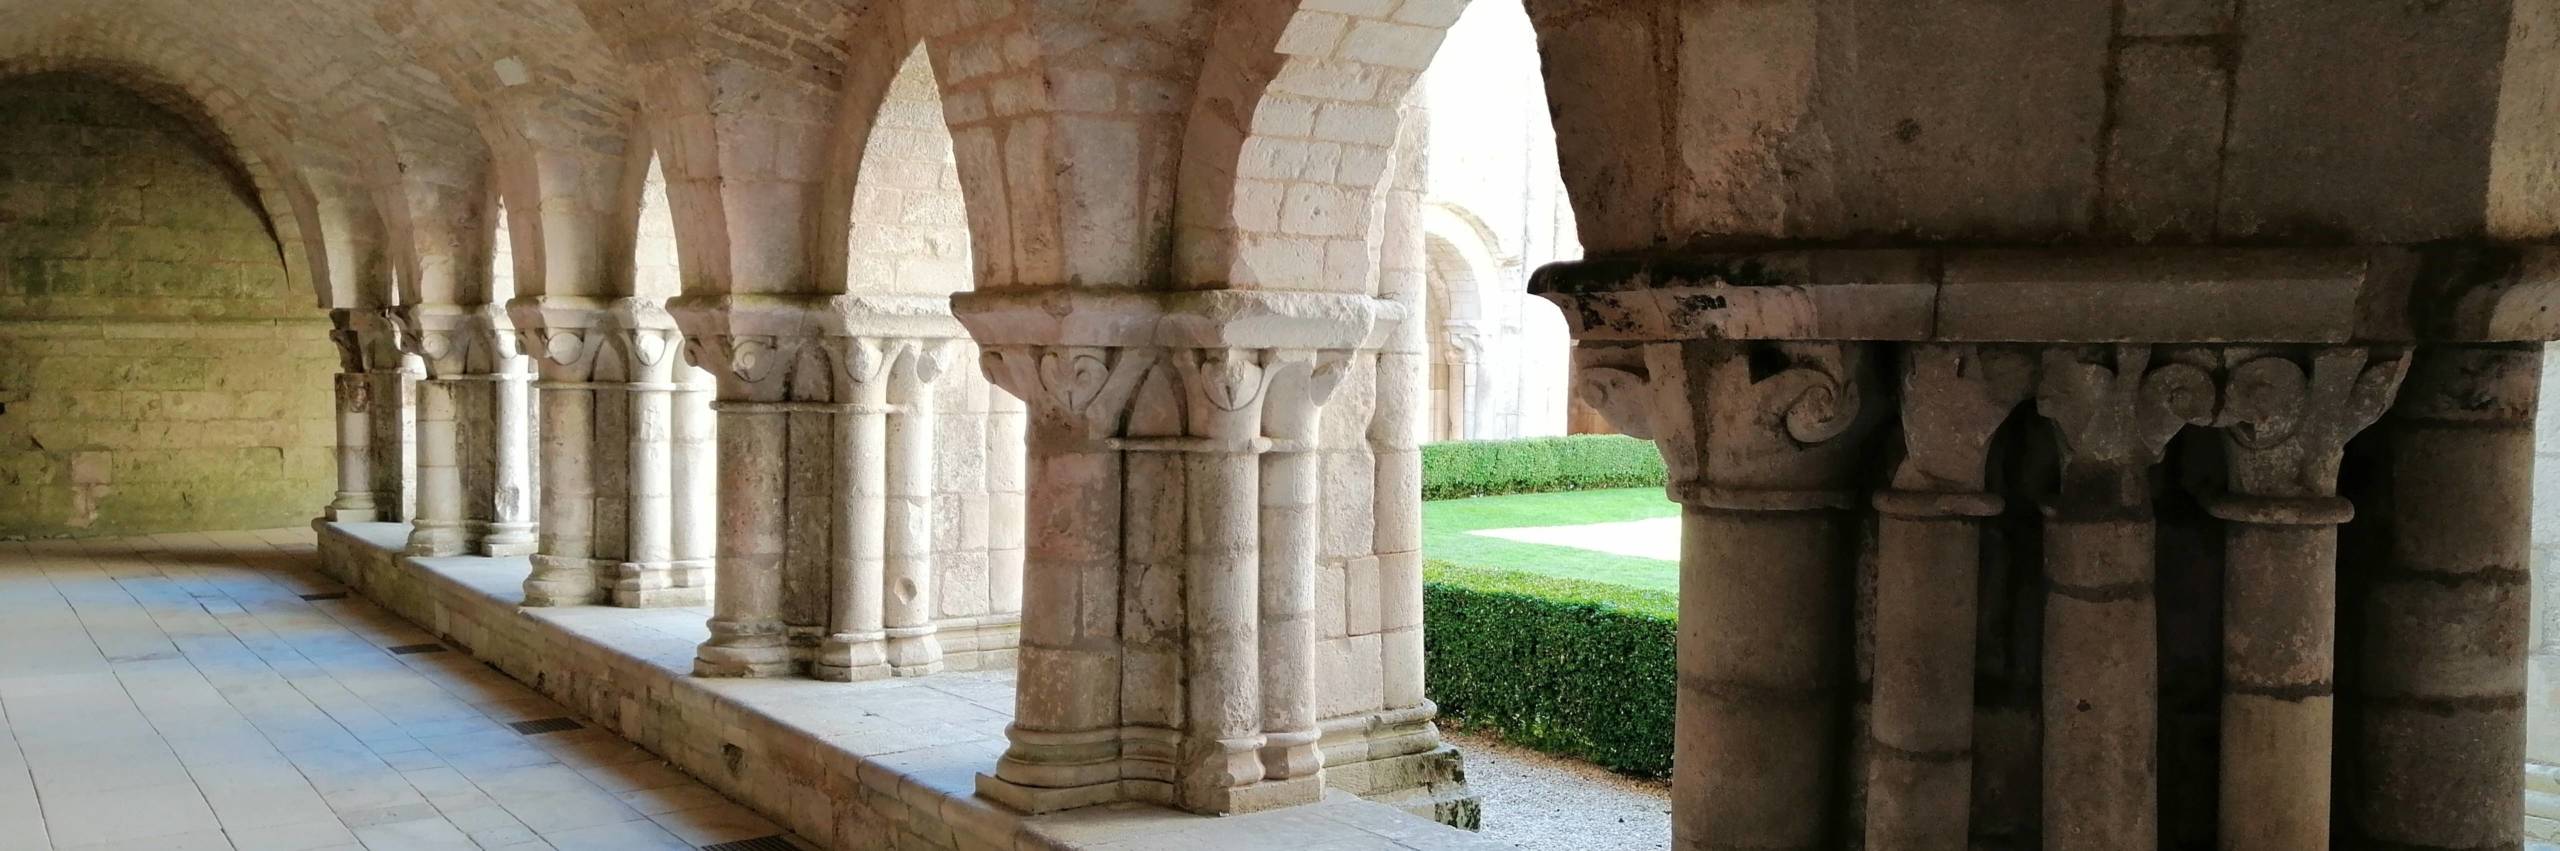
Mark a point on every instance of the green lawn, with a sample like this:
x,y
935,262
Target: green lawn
x,y
1445,524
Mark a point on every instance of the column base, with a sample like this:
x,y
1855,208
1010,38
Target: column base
x,y
915,651
565,581
1035,800
1395,757
1291,755
352,508
848,657
436,538
743,650
1259,796
662,585
509,539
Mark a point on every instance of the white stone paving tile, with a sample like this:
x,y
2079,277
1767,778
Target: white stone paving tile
x,y
175,693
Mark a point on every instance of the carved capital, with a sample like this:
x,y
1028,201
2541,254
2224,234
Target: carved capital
x,y
2286,417
2115,412
1954,399
1086,388
565,353
1760,426
750,367
1222,390
925,361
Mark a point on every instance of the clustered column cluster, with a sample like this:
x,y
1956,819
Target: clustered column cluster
x,y
612,521
1883,539
1171,598
828,427
473,419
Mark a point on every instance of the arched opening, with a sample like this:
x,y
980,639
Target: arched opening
x,y
1494,211
158,372
909,236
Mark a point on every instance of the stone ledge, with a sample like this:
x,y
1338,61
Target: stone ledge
x,y
881,764
2385,294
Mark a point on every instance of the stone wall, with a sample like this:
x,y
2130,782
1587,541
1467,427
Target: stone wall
x,y
157,373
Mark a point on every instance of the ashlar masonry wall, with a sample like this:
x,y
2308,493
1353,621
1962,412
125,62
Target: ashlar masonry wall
x,y
157,372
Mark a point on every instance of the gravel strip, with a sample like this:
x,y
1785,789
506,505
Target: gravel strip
x,y
1543,803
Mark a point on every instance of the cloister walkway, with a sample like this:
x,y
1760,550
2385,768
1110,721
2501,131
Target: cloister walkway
x,y
211,691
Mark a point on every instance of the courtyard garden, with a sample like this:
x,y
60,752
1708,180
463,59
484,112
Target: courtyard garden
x,y
1549,600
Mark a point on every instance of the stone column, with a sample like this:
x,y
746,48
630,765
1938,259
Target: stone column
x,y
439,527
2115,412
650,574
754,372
694,483
1292,544
1465,349
853,648
356,501
510,498
913,649
567,340
1065,740
1765,443
2285,429
1928,552
2441,667
1151,667
1223,391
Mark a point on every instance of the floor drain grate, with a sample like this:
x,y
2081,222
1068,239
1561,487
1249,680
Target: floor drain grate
x,y
540,726
332,595
761,843
406,649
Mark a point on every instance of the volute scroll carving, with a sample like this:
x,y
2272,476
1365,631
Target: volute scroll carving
x,y
2286,426
2115,413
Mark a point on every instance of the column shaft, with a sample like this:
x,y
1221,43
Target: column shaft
x,y
511,523
1223,673
746,626
853,648
438,529
2101,682
2441,688
650,512
913,649
1397,513
2279,653
564,572
1066,725
355,500
1763,641
1290,539
695,479
1920,768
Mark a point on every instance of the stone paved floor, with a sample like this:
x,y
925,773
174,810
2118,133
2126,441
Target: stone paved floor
x,y
177,693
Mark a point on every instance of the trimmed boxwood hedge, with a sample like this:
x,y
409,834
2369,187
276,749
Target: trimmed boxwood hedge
x,y
1580,669
1465,468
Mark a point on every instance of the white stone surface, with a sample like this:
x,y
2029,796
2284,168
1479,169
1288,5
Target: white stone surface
x,y
1655,537
176,692
845,765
